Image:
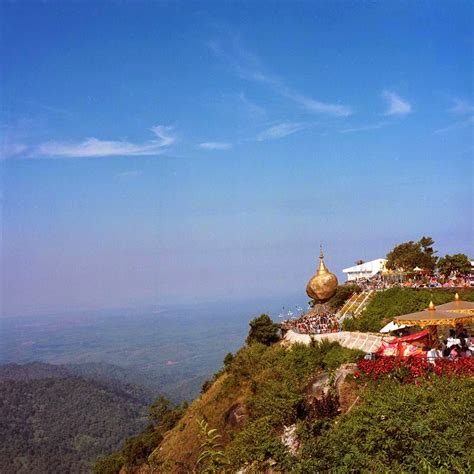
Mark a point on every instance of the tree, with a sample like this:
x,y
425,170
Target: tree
x,y
459,264
263,330
409,255
159,409
228,360
427,245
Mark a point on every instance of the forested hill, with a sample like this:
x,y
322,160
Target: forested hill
x,y
113,376
55,421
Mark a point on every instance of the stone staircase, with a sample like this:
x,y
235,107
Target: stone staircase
x,y
355,305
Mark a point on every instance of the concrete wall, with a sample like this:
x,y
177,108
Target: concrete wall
x,y
363,341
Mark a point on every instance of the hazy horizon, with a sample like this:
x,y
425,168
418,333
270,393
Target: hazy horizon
x,y
157,153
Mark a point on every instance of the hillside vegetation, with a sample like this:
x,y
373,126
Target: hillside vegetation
x,y
315,408
55,422
385,424
259,391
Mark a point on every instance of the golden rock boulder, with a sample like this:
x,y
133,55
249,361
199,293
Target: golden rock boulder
x,y
323,285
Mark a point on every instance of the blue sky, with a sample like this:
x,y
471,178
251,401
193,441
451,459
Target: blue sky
x,y
184,151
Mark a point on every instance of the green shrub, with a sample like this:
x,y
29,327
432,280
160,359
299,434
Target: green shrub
x,y
279,376
256,444
249,360
338,355
206,386
228,360
109,464
263,330
163,416
138,448
399,428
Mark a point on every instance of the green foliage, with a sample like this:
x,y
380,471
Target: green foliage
x,y
211,458
256,444
338,355
397,301
62,424
409,255
343,293
206,386
248,360
109,464
278,377
138,448
228,360
458,263
159,409
263,330
163,416
398,428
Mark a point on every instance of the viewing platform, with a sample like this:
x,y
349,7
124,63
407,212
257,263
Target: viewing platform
x,y
363,341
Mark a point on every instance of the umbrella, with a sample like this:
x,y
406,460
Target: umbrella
x,y
392,326
448,314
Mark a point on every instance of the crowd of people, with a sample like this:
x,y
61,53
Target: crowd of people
x,y
379,282
457,345
313,322
321,320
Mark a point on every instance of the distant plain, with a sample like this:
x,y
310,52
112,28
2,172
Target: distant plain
x,y
168,349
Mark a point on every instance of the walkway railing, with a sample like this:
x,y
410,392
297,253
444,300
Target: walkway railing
x,y
355,305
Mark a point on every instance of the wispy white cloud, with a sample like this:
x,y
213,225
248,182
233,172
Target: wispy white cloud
x,y
15,136
127,175
10,149
469,122
365,128
280,130
215,146
395,104
251,107
317,106
95,148
248,66
461,107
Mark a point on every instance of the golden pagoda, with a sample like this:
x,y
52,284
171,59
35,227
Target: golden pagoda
x,y
323,284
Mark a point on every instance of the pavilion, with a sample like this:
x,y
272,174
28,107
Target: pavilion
x,y
450,314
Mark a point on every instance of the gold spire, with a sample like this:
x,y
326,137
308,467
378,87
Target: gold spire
x,y
456,297
322,266
323,284
431,306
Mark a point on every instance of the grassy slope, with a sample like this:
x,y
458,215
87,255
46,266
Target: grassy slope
x,y
269,382
181,445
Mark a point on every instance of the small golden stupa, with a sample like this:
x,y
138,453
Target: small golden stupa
x,y
323,284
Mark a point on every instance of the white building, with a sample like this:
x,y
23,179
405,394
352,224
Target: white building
x,y
365,270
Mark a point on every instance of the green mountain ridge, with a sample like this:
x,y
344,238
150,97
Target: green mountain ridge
x,y
56,421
